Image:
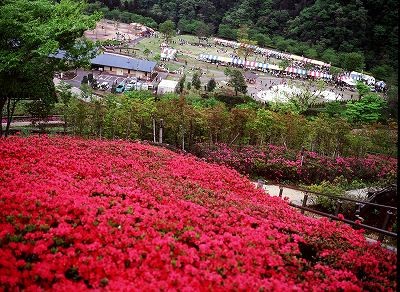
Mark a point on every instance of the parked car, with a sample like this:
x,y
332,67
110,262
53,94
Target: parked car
x,y
120,88
129,86
104,86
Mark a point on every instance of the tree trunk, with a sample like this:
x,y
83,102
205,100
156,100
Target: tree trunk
x,y
10,113
2,104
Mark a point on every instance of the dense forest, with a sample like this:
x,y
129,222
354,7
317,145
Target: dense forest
x,y
322,29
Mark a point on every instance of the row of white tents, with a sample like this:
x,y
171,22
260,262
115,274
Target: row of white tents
x,y
270,52
352,78
262,66
348,78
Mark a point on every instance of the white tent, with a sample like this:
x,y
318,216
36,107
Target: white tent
x,y
166,86
167,53
349,81
278,93
369,79
328,95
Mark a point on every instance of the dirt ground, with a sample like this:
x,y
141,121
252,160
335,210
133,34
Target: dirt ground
x,y
113,30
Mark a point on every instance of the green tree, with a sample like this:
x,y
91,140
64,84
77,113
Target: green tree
x,y
368,109
64,95
284,64
237,81
211,85
167,28
352,61
30,32
328,134
226,31
77,116
203,30
334,109
246,48
362,89
181,84
261,125
196,83
146,53
330,56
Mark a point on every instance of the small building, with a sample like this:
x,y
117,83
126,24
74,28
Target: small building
x,y
166,86
118,64
123,65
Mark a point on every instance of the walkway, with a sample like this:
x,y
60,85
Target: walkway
x,y
294,196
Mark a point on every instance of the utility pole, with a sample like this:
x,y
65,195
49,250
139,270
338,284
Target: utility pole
x,y
302,156
161,130
183,137
154,130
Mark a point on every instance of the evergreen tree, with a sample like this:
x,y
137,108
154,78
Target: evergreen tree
x,y
196,81
211,84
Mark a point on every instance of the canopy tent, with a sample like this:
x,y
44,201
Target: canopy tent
x,y
225,59
274,67
369,79
296,58
296,70
250,64
262,66
214,58
349,81
301,71
381,84
210,58
356,75
319,74
306,60
316,62
167,53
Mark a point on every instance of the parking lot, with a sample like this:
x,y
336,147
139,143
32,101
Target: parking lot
x,y
102,77
111,79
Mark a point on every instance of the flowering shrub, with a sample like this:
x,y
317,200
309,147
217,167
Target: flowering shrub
x,y
78,214
279,164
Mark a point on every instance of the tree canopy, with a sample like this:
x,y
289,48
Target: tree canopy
x,y
31,31
236,80
167,28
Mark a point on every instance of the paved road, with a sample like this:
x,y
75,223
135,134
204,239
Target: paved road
x,y
294,196
75,90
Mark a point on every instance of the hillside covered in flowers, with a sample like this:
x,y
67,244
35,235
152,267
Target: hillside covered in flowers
x,y
81,214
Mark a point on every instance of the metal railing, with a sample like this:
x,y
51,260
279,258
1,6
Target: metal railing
x,y
382,231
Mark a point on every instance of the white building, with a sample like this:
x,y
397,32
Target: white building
x,y
166,86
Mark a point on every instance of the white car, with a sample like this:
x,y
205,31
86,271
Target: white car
x,y
129,86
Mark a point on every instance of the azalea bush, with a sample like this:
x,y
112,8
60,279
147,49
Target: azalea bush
x,y
280,164
114,215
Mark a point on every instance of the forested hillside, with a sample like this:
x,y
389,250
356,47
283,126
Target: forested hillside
x,y
322,29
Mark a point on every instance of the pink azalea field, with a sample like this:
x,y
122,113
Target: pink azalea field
x,y
277,163
114,215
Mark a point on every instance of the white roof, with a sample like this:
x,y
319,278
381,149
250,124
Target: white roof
x,y
168,83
